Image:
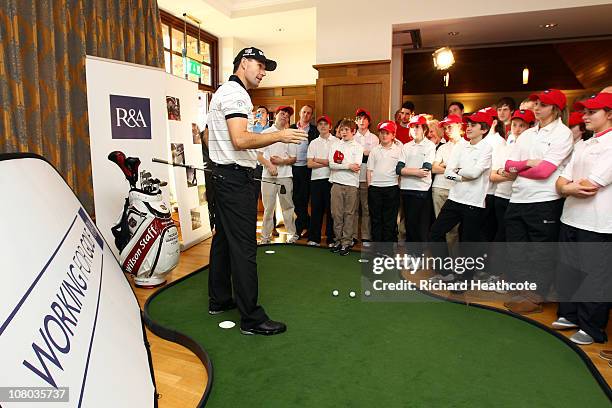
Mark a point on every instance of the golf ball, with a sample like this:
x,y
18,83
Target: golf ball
x,y
367,293
335,293
352,294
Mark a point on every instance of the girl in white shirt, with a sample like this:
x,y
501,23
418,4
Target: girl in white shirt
x,y
535,205
583,270
383,190
414,167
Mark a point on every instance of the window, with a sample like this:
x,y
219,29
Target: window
x,y
176,38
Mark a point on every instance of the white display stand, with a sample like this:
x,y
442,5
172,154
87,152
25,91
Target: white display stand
x,y
127,127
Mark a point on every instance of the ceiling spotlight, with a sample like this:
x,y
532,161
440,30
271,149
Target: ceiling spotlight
x,y
549,25
443,58
280,29
453,33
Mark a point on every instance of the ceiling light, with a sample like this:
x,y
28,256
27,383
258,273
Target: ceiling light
x,y
549,25
280,30
453,33
443,58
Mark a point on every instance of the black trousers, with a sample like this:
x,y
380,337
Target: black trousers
x,y
383,205
451,214
417,215
320,197
501,205
583,272
533,223
233,254
489,220
301,195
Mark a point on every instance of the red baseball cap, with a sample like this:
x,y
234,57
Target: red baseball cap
x,y
285,108
524,114
363,112
450,119
325,118
489,111
597,101
417,120
550,97
481,117
388,125
575,118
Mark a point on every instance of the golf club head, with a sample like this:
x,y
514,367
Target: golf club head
x,y
132,163
118,158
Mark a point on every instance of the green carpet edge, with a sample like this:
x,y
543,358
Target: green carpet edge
x,y
199,350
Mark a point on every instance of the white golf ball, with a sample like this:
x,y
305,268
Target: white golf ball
x,y
367,293
352,294
335,292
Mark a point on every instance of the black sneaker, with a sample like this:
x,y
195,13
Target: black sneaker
x,y
215,310
344,251
267,328
336,248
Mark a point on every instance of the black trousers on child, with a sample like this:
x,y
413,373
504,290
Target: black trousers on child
x,y
320,193
383,204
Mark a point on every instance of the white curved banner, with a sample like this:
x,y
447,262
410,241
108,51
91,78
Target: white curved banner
x,y
70,326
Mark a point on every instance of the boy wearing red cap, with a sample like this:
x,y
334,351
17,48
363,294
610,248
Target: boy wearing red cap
x,y
367,140
535,205
583,272
468,168
414,168
320,188
578,128
383,190
345,158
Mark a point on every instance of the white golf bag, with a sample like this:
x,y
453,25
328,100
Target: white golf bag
x,y
145,233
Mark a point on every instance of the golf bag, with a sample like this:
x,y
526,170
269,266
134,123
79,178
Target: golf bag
x,y
145,233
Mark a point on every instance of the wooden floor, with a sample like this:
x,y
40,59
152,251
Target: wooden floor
x,y
181,377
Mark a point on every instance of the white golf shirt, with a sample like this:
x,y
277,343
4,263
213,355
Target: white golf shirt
x,y
500,155
319,149
382,162
475,163
340,172
552,143
282,150
591,160
368,142
443,154
495,140
414,155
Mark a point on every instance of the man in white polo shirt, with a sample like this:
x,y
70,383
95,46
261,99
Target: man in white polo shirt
x,y
233,254
320,188
277,160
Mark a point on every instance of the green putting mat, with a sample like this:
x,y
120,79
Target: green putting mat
x,y
343,352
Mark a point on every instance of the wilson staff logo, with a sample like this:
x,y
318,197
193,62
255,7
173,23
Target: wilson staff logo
x,y
130,117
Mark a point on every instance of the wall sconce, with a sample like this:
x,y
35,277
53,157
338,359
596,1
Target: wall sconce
x,y
443,58
525,76
446,79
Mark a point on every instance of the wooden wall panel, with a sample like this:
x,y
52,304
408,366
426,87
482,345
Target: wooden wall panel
x,y
342,88
591,62
295,96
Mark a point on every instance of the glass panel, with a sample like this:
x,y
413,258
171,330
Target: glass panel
x,y
192,44
205,51
206,75
177,41
166,35
177,66
167,62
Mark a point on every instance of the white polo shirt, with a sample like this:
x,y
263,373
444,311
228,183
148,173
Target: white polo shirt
x,y
591,160
414,155
500,155
494,139
443,154
552,143
319,149
353,154
229,101
368,142
282,150
475,163
382,162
